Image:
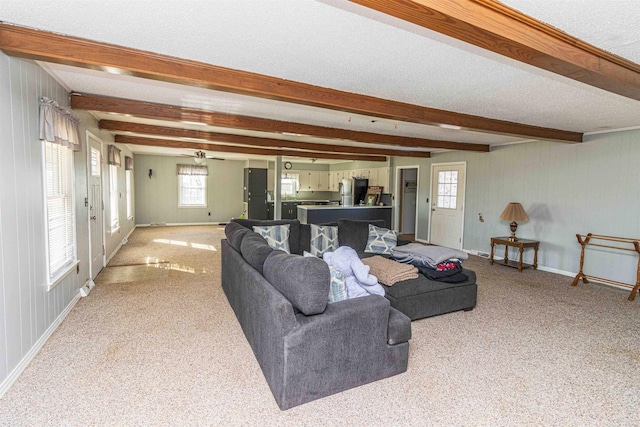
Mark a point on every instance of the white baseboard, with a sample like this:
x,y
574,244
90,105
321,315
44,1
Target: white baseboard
x,y
17,371
549,270
115,251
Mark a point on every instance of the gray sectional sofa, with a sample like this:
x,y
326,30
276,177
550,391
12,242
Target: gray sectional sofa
x,y
306,347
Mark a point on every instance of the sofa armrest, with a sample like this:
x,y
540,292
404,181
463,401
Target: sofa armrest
x,y
399,328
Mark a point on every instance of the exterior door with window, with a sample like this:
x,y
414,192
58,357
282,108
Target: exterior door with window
x,y
96,225
447,204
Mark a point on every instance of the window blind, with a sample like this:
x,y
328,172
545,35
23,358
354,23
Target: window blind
x,y
192,170
60,212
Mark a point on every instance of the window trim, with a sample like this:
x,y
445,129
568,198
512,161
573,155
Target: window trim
x,y
114,169
53,281
185,206
128,184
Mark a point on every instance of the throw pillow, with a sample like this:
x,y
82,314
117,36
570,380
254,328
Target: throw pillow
x,y
323,239
338,289
381,240
277,236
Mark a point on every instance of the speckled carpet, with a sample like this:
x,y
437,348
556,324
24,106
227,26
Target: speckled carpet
x,y
156,343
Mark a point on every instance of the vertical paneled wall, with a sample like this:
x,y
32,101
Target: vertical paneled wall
x,y
565,189
28,309
157,196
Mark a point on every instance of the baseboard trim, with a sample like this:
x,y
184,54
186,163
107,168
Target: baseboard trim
x,y
548,270
26,360
115,251
179,224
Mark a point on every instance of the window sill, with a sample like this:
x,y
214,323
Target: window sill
x,y
60,277
115,230
192,206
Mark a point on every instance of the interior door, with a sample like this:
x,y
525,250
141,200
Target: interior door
x,y
96,207
447,204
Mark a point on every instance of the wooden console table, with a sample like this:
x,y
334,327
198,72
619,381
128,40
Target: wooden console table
x,y
521,244
590,239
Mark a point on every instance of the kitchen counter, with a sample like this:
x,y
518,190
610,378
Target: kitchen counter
x,y
342,207
312,214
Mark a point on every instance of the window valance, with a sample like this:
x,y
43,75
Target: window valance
x,y
114,155
58,124
193,170
128,163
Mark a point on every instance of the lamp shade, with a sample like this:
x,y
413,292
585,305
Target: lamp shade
x,y
514,212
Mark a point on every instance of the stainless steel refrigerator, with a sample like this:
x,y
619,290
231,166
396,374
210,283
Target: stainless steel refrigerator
x,y
353,191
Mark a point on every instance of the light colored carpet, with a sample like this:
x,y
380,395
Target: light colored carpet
x,y
166,349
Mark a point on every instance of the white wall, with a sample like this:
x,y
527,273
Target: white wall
x,y
157,197
565,189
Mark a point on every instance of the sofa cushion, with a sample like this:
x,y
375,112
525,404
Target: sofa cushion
x,y
381,240
255,250
324,238
235,233
355,233
294,229
304,281
277,236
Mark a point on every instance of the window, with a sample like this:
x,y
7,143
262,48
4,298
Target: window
x,y
127,176
447,189
193,190
113,197
60,212
290,183
95,162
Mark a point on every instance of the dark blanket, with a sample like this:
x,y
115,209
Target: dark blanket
x,y
451,274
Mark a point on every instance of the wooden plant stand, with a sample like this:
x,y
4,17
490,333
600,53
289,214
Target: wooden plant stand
x,y
586,240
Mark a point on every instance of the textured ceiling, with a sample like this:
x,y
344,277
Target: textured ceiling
x,y
340,45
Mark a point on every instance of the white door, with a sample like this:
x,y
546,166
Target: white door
x,y
96,207
447,204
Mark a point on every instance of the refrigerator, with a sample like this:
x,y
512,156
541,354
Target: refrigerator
x,y
353,191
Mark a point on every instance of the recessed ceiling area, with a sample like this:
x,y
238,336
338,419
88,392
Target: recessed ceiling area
x,y
336,47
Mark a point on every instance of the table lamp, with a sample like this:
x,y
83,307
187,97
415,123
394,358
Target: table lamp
x,y
514,212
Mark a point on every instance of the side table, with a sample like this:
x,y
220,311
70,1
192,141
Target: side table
x,y
521,244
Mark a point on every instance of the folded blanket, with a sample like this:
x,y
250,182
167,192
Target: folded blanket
x,y
390,272
426,255
443,276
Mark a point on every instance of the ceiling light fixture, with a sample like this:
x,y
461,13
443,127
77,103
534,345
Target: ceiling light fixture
x,y
189,122
446,126
200,157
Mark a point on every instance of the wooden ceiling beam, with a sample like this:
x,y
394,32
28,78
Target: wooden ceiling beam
x,y
498,28
218,137
180,114
57,48
205,146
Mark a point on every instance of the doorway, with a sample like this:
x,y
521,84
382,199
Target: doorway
x,y
447,204
407,201
95,205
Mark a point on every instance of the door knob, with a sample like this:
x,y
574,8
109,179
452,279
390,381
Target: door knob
x,y
93,217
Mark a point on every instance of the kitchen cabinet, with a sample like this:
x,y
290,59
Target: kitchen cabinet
x,y
304,179
255,192
290,210
335,179
319,181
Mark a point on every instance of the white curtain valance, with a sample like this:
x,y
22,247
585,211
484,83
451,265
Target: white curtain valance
x,y
113,155
58,124
193,170
128,163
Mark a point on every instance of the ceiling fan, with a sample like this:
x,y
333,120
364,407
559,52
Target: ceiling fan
x,y
200,157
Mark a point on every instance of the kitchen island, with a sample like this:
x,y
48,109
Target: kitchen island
x,y
310,214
